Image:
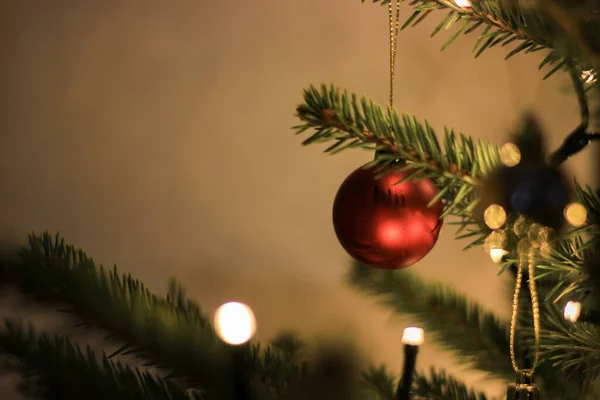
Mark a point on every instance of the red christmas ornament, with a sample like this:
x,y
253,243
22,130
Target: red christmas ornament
x,y
384,225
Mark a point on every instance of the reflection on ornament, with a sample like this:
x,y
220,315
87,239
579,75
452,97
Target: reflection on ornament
x,y
463,3
520,226
413,336
575,214
534,234
496,240
494,216
385,224
523,247
510,155
545,249
235,323
497,254
572,311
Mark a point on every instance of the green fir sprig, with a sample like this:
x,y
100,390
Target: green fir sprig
x,y
441,385
477,337
48,269
54,368
350,122
527,28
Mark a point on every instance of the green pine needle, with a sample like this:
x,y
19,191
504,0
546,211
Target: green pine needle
x,y
440,385
507,22
55,368
476,336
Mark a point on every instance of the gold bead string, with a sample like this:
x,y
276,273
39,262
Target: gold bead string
x,y
534,308
394,29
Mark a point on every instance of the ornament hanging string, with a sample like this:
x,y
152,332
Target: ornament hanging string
x,y
394,29
534,308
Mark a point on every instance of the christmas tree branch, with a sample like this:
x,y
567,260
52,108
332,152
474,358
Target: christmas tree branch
x,y
438,385
441,385
477,337
55,368
534,27
352,123
170,333
572,348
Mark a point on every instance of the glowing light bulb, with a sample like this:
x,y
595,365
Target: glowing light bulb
x,y
413,336
235,323
572,311
463,3
510,155
575,214
588,76
496,254
494,216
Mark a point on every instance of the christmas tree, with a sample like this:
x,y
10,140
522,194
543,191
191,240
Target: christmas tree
x,y
514,201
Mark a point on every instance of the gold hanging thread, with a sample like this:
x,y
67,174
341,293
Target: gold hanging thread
x,y
534,308
394,29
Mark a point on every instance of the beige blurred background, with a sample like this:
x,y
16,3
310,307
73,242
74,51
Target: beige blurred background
x,y
156,135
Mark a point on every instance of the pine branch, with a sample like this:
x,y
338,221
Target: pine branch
x,y
572,348
442,386
380,383
57,369
352,123
439,385
169,333
477,337
531,27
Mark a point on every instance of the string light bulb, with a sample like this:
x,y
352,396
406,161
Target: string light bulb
x,y
572,311
463,3
510,155
413,336
575,214
235,323
588,76
494,216
497,254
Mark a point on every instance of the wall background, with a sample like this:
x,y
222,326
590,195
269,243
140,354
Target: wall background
x,y
156,135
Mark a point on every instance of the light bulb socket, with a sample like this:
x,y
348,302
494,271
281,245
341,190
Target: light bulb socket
x,y
408,372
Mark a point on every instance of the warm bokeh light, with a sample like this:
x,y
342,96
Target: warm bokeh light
x,y
520,226
235,323
510,154
413,336
588,76
494,216
575,214
496,254
463,3
545,249
572,311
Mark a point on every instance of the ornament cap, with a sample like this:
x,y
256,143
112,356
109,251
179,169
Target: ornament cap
x,y
524,388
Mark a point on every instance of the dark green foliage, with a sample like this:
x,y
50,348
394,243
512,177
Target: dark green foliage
x,y
352,122
56,369
165,332
509,22
170,333
379,383
476,337
442,386
574,353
